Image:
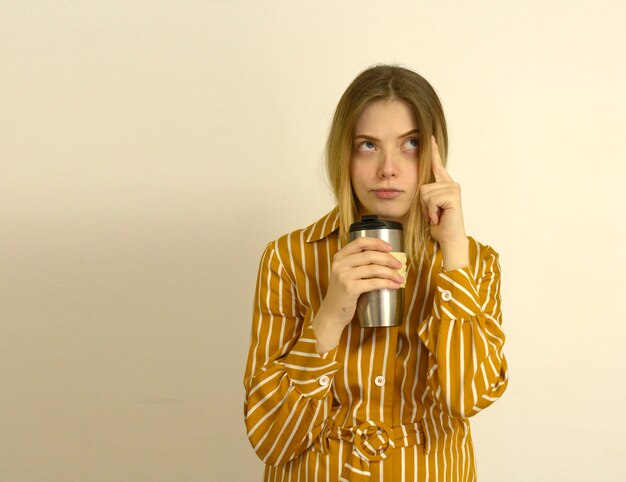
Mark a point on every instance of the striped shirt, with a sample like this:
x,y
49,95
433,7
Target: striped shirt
x,y
387,403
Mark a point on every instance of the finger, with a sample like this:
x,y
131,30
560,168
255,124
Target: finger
x,y
428,199
434,213
439,170
374,271
438,202
367,285
365,244
365,258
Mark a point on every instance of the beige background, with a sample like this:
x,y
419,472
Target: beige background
x,y
150,149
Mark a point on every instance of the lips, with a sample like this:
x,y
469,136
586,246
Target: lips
x,y
387,193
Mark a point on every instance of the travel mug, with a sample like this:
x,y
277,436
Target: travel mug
x,y
381,308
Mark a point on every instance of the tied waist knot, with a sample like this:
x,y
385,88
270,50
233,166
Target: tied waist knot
x,y
371,442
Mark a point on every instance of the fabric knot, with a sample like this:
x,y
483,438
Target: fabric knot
x,y
373,441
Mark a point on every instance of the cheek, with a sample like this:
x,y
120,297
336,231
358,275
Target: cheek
x,y
357,175
413,174
352,170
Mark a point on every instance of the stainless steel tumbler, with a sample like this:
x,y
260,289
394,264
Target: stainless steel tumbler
x,y
380,308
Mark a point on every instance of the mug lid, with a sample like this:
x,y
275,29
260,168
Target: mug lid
x,y
371,221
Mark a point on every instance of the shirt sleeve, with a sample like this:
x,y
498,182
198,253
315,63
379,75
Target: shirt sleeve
x,y
287,382
467,369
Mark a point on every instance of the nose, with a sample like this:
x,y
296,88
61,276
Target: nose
x,y
387,168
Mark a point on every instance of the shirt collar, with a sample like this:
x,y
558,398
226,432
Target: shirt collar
x,y
323,227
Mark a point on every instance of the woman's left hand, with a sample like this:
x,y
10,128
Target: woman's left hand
x,y
441,204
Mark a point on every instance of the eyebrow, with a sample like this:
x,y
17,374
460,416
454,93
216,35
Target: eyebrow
x,y
365,136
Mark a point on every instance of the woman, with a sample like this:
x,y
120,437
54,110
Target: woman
x,y
329,400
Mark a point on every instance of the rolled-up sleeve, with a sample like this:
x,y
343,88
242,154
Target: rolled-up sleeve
x,y
467,369
287,382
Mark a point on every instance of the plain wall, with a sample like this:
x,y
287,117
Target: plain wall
x,y
150,149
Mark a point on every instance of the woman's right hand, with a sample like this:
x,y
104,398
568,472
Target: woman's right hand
x,y
361,266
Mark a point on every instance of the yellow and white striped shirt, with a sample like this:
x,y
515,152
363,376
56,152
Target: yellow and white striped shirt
x,y
387,403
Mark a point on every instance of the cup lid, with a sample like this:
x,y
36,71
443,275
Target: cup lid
x,y
371,221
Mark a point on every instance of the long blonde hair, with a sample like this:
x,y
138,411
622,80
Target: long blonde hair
x,y
388,82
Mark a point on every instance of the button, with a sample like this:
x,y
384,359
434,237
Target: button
x,y
446,295
379,380
324,380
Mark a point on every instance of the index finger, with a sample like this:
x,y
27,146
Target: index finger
x,y
439,170
364,243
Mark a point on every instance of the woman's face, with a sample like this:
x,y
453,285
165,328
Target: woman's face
x,y
384,163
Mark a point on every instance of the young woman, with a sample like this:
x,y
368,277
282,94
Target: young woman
x,y
327,400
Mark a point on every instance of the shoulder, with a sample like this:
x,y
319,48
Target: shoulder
x,y
322,228
294,244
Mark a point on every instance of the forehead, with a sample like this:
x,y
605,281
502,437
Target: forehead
x,y
387,116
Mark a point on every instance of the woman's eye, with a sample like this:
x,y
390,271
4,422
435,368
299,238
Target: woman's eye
x,y
411,144
366,146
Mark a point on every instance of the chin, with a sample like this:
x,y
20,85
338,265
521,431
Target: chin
x,y
392,215
389,210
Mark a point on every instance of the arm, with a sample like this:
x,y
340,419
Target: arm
x,y
467,370
287,382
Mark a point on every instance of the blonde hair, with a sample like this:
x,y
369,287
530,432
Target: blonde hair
x,y
385,82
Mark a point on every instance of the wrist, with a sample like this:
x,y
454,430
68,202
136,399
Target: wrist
x,y
327,332
455,255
